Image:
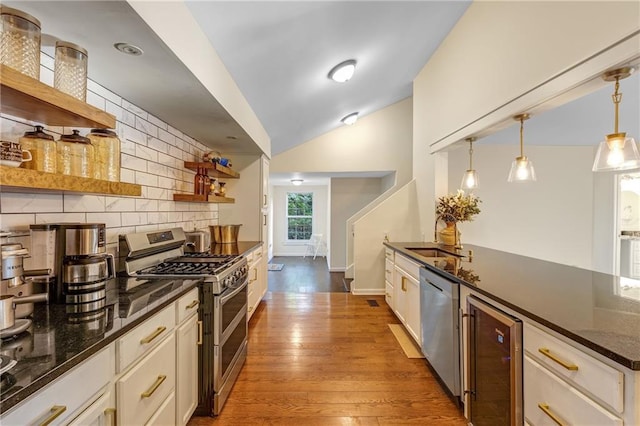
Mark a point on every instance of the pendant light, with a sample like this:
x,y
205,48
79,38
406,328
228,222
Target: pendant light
x,y
617,152
470,177
521,168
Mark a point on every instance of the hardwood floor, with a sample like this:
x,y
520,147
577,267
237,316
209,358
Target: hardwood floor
x,y
330,359
305,275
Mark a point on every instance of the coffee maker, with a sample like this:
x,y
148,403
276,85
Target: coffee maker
x,y
76,253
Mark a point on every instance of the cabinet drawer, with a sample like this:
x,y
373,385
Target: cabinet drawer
x,y
166,413
410,267
73,391
388,293
187,305
144,337
592,376
388,270
389,254
143,389
544,390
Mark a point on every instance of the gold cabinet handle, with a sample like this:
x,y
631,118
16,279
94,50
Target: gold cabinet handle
x,y
192,305
112,413
199,332
56,410
153,335
154,386
545,409
569,366
255,275
404,284
265,200
264,223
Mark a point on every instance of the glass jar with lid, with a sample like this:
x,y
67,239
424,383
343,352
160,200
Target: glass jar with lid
x,y
42,148
75,155
20,41
106,147
70,70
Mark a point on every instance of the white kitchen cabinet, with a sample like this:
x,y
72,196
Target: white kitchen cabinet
x,y
164,415
257,279
188,335
69,395
406,287
388,283
142,390
101,413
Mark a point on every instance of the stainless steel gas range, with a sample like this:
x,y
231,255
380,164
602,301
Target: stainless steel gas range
x,y
223,303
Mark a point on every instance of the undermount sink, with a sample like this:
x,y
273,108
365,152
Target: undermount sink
x,y
431,252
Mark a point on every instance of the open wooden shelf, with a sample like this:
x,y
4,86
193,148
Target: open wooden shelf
x,y
213,169
192,198
14,179
28,98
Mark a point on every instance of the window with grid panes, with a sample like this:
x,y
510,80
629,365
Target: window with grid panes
x,y
299,216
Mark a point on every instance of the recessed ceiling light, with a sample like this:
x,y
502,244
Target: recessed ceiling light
x,y
128,49
343,71
350,119
297,182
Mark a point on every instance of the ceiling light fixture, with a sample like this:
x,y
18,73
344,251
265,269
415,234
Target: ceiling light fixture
x,y
470,178
297,182
350,119
521,168
343,71
128,49
617,152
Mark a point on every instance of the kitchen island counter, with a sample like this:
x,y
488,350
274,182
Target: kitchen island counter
x,y
597,310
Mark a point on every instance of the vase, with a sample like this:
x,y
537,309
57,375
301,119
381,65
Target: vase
x,y
448,235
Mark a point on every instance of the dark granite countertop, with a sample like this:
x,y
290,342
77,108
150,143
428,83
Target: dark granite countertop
x,y
58,340
599,311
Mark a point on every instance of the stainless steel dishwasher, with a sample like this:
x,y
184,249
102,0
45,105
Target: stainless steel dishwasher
x,y
439,303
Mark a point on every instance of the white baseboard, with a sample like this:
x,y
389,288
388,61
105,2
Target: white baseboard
x,y
366,291
337,269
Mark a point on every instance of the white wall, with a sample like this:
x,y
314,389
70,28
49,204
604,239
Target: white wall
x,y
320,218
549,219
152,155
348,195
396,216
380,141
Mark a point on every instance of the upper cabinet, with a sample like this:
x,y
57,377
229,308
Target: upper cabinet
x,y
28,98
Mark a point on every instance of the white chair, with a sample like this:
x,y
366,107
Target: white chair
x,y
314,246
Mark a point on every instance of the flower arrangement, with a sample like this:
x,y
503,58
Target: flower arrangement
x,y
459,207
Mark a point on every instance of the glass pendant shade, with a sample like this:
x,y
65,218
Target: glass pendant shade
x,y
522,171
617,152
469,180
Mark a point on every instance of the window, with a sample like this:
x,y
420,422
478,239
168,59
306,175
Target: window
x,y
299,216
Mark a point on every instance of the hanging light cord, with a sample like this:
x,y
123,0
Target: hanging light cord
x,y
616,97
521,137
470,154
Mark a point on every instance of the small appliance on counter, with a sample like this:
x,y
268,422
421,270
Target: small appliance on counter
x,y
196,241
75,252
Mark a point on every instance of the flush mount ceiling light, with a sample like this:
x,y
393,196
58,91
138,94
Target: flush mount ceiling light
x,y
128,49
521,168
617,152
343,71
297,182
350,119
470,177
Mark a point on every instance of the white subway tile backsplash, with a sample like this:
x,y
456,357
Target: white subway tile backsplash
x,y
127,176
127,146
17,221
175,132
158,217
175,152
146,127
167,183
111,220
46,76
148,228
174,216
166,206
157,122
13,202
104,92
134,163
96,100
60,217
134,135
167,160
166,137
46,61
146,153
158,145
143,178
146,205
157,193
120,204
128,118
115,109
134,109
84,203
134,218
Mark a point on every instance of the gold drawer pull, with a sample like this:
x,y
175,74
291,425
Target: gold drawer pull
x,y
404,284
199,332
112,413
545,408
569,366
153,387
153,335
192,305
56,410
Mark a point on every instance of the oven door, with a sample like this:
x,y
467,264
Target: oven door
x,y
227,308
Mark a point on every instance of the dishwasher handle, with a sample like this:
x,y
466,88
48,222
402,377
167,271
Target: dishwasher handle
x,y
429,282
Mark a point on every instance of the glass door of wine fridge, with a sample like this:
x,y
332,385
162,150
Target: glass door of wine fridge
x,y
495,366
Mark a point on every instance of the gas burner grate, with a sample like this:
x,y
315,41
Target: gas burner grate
x,y
185,268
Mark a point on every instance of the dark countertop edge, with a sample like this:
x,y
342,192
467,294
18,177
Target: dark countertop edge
x,y
28,391
625,362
